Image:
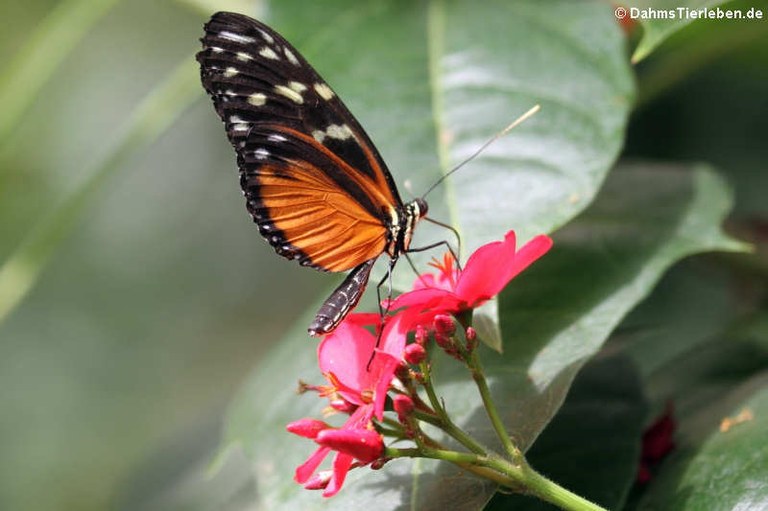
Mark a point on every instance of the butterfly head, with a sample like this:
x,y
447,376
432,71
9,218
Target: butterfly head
x,y
415,210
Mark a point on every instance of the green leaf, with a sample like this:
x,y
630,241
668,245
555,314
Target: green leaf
x,y
661,19
605,403
431,82
559,314
705,384
555,317
725,470
692,305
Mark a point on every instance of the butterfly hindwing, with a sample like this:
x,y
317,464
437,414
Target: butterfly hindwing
x,y
308,203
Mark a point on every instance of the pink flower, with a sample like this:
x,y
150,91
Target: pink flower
x,y
489,269
362,383
363,444
345,359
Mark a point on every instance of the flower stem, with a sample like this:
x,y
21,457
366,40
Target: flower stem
x,y
446,424
520,478
551,492
473,362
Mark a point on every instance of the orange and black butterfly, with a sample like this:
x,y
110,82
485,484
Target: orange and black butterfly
x,y
314,182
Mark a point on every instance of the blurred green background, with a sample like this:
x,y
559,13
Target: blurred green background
x,y
150,308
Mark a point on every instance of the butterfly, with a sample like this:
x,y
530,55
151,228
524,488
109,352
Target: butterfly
x,y
313,181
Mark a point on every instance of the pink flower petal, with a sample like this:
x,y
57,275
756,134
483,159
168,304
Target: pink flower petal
x,y
365,445
319,481
345,352
482,275
308,428
341,464
425,281
422,298
393,337
306,469
527,254
363,318
386,366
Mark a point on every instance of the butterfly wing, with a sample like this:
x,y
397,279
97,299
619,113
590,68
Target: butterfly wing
x,y
314,182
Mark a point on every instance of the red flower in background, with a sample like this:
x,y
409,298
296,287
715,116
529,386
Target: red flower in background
x,y
658,442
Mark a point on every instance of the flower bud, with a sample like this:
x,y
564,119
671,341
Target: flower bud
x,y
319,481
362,444
308,428
379,463
421,335
444,325
403,372
403,405
471,336
414,354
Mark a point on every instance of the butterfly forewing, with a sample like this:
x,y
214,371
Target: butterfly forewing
x,y
254,75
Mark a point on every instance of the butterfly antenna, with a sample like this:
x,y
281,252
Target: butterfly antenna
x,y
482,148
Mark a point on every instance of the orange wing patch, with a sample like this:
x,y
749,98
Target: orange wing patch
x,y
318,218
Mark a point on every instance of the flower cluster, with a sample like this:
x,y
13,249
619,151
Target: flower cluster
x,y
363,369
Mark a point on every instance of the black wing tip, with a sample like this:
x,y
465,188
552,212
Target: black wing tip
x,y
229,19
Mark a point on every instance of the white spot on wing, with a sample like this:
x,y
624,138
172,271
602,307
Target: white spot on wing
x,y
230,72
274,137
297,86
335,131
216,49
238,38
339,132
244,57
290,56
323,91
269,53
289,93
261,154
257,99
267,37
237,124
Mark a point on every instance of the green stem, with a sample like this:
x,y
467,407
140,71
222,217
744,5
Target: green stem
x,y
446,424
545,489
520,478
490,408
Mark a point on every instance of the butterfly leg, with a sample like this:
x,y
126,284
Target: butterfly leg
x,y
455,233
435,245
383,311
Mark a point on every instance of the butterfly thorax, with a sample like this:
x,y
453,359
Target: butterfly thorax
x,y
402,225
